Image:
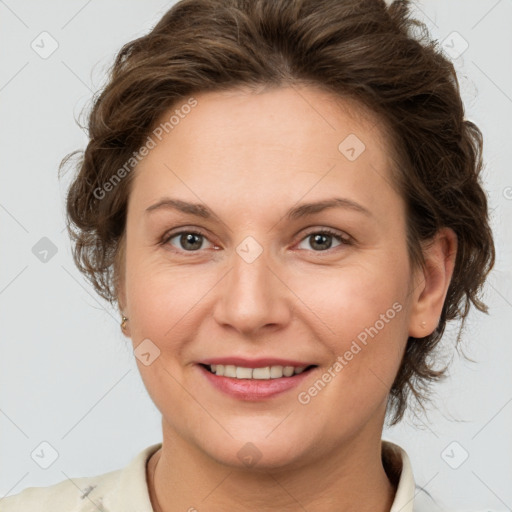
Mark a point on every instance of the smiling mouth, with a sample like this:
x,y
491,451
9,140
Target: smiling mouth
x,y
260,373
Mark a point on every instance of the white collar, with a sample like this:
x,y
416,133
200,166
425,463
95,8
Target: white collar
x,y
409,497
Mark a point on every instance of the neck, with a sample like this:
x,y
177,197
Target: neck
x,y
351,478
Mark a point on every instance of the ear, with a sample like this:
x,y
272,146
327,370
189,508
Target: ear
x,y
119,273
431,283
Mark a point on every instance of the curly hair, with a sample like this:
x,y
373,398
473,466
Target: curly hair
x,y
365,50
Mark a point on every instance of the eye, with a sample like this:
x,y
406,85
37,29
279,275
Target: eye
x,y
322,239
190,241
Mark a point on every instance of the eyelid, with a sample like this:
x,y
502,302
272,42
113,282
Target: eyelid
x,y
343,238
184,230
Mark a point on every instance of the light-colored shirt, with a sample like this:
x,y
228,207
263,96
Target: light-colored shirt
x,y
126,489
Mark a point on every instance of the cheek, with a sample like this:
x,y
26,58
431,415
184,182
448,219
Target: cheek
x,y
162,302
165,303
157,293
349,299
360,314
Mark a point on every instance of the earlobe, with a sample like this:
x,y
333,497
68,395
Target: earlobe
x,y
121,301
124,325
119,279
432,282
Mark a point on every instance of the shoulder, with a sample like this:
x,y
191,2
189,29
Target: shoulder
x,y
425,502
112,491
75,494
409,496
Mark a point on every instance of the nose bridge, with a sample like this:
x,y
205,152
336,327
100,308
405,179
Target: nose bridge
x,y
252,296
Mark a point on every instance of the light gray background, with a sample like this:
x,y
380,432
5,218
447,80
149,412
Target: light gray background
x,y
68,376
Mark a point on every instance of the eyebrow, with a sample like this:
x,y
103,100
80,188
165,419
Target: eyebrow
x,y
303,210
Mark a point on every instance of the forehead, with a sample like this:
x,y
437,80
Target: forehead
x,y
273,115
289,137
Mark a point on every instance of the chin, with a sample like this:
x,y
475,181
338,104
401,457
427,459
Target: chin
x,y
259,447
256,457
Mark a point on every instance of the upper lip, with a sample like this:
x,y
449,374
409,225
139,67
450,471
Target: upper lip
x,y
260,362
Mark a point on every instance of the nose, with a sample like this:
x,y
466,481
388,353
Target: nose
x,y
253,297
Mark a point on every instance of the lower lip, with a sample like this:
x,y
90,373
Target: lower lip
x,y
254,389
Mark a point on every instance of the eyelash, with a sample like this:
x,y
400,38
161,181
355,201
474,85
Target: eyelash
x,y
344,240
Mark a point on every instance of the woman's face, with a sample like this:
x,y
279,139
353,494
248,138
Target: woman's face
x,y
262,283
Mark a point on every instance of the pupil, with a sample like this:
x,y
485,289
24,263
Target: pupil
x,y
318,238
189,238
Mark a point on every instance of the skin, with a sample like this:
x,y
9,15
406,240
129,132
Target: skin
x,y
250,157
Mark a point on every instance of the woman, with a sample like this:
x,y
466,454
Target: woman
x,y
283,199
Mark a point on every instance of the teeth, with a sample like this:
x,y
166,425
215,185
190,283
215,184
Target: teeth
x,y
230,370
261,373
243,373
266,373
288,371
275,372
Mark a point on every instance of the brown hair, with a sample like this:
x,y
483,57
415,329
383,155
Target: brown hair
x,y
363,50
